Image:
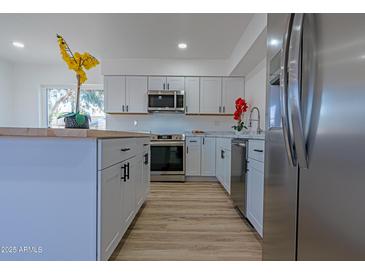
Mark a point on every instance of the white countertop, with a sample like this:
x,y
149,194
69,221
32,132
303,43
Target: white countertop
x,y
231,135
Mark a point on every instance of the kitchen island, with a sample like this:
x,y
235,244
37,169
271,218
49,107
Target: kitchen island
x,y
69,194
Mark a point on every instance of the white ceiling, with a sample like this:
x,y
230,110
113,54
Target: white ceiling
x,y
209,36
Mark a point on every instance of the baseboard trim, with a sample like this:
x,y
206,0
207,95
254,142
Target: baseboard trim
x,y
201,179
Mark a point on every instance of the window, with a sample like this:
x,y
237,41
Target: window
x,y
62,100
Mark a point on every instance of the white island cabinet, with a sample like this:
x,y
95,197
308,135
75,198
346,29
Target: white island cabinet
x,y
69,194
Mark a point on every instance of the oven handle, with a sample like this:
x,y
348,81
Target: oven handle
x,y
169,144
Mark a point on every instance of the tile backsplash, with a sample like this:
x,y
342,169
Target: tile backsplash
x,y
169,122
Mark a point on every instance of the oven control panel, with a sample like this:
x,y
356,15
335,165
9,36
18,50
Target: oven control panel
x,y
168,137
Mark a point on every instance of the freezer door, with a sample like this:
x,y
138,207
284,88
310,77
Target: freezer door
x,y
331,222
281,177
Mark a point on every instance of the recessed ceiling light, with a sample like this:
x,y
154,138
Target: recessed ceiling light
x,y
182,45
18,44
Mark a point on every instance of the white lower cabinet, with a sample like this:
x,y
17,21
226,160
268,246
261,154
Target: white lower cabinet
x,y
255,184
223,162
143,183
208,156
111,209
193,156
122,189
200,156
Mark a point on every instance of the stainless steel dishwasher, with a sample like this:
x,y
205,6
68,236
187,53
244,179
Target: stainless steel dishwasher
x,y
238,174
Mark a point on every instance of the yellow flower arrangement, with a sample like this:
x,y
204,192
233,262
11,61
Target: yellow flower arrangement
x,y
77,62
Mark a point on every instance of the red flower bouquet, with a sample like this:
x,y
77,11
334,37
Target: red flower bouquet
x,y
241,108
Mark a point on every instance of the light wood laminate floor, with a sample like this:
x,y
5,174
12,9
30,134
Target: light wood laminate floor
x,y
188,221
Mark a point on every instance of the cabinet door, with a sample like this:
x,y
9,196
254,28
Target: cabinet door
x,y
175,83
157,83
192,94
219,168
232,89
114,90
146,172
111,215
139,187
193,156
210,95
227,170
129,190
208,156
255,196
136,94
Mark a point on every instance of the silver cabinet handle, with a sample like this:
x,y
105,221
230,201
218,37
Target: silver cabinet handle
x,y
295,89
203,140
283,94
168,85
258,150
125,149
164,86
123,108
127,108
186,108
193,141
224,109
187,150
220,109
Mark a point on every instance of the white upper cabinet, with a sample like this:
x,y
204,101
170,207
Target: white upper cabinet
x,y
232,89
193,156
210,95
136,94
203,95
156,83
114,94
174,83
165,83
208,156
192,94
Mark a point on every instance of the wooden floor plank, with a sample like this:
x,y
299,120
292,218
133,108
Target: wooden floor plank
x,y
188,221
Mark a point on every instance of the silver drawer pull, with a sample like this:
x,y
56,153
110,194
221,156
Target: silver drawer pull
x,y
193,141
258,150
125,149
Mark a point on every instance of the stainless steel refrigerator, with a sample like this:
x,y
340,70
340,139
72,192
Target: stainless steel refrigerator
x,y
315,147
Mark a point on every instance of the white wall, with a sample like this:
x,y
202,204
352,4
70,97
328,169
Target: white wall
x,y
185,67
6,93
255,91
29,78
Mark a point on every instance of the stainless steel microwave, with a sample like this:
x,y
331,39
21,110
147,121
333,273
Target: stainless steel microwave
x,y
166,100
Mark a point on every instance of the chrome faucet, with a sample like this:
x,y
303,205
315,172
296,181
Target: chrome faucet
x,y
259,130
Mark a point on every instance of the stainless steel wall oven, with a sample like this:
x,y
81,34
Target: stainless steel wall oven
x,y
168,158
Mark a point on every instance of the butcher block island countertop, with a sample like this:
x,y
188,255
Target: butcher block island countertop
x,y
68,133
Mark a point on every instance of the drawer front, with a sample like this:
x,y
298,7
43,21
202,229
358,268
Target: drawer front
x,y
253,164
112,151
193,141
256,150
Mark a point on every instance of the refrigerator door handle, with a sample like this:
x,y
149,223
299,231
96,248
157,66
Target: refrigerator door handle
x,y
295,90
284,94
